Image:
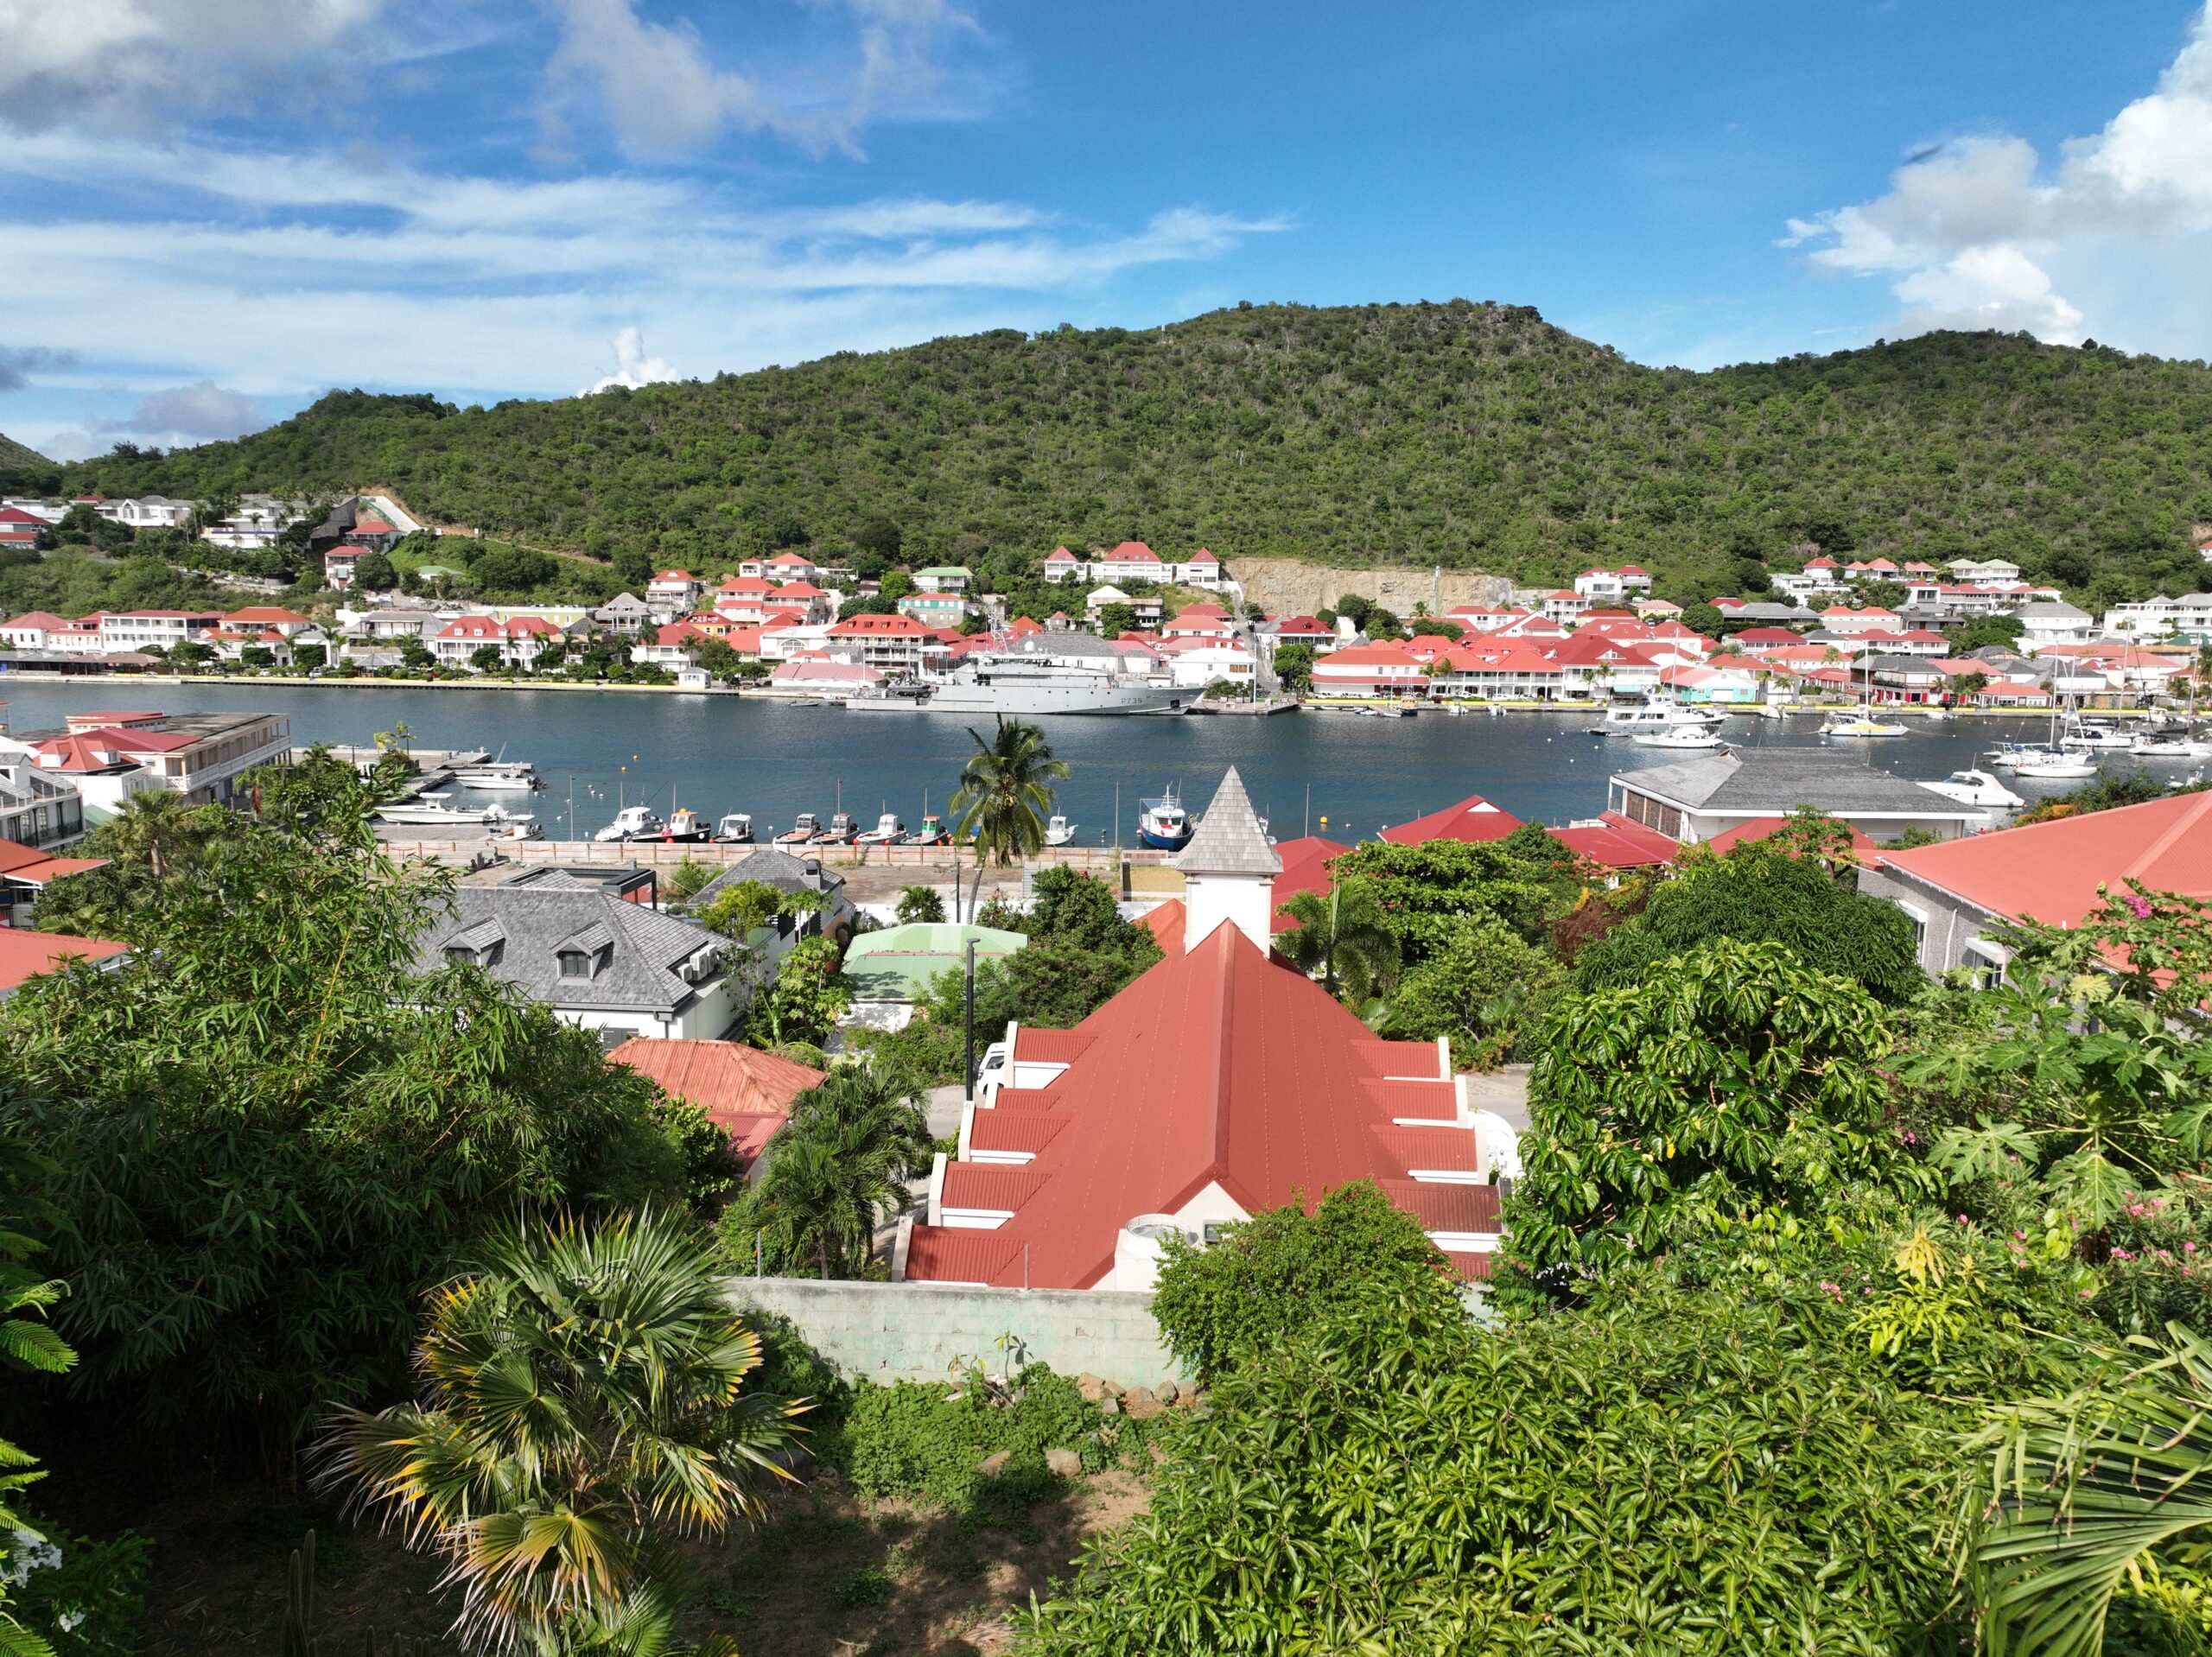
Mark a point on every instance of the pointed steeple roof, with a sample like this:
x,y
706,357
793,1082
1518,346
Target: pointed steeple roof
x,y
1229,839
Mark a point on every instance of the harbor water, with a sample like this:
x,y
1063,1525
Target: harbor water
x,y
1312,772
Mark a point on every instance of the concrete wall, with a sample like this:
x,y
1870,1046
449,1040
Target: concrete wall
x,y
915,1332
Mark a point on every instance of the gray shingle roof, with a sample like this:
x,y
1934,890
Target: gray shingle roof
x,y
1778,782
773,868
1229,839
530,925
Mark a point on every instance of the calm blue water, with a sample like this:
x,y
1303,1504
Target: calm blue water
x,y
724,753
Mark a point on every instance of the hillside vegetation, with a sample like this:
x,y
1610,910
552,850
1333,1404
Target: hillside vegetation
x,y
15,456
1473,436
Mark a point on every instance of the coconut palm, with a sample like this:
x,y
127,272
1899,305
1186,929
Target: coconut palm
x,y
1002,801
848,1157
1341,940
2085,1487
581,1404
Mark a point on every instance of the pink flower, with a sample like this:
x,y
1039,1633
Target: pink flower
x,y
2140,906
2189,1248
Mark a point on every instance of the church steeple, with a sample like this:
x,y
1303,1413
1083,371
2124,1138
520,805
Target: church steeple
x,y
1229,869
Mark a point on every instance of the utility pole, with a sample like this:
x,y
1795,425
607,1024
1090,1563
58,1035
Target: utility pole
x,y
968,1023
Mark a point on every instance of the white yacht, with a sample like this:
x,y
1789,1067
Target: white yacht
x,y
1653,714
2048,767
1860,724
1976,788
2146,747
1680,736
2092,736
1046,673
1060,831
499,776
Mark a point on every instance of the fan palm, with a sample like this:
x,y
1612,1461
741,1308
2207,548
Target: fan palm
x,y
1002,801
2085,1486
1341,940
582,1402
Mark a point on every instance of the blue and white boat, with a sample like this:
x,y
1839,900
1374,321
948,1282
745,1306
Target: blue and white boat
x,y
1163,824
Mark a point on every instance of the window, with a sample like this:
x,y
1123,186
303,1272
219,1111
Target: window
x,y
575,963
460,954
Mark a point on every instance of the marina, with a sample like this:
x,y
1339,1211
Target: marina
x,y
768,761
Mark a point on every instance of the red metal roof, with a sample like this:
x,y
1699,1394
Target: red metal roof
x,y
893,626
728,1080
1473,819
1216,1066
34,868
1765,827
1618,842
2050,872
24,955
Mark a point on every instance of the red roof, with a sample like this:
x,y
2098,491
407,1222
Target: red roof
x,y
1132,552
1299,625
373,526
746,1092
738,585
1473,819
799,590
1618,842
264,615
678,632
2050,872
1060,555
1202,556
16,514
791,560
1216,1066
893,626
24,955
1765,827
34,868
42,619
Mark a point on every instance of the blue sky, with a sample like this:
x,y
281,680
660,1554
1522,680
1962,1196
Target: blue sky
x,y
212,210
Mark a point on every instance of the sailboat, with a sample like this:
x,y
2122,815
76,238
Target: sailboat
x,y
1861,724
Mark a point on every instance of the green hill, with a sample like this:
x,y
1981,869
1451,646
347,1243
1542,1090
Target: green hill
x,y
1466,435
14,457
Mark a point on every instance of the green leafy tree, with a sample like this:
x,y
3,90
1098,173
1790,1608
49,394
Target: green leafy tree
x,y
1763,890
1485,990
1528,879
374,573
1278,1273
920,904
488,658
583,1407
514,570
1732,1081
1294,666
309,656
719,659
1115,620
1341,938
806,998
415,655
1004,796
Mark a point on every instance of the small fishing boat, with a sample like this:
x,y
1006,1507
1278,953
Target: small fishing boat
x,y
632,822
1679,736
686,828
499,776
735,830
888,831
842,831
931,833
505,827
805,828
1163,824
1976,788
416,814
1059,831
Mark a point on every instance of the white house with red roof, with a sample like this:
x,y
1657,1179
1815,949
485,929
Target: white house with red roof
x,y
520,639
1848,619
1385,670
674,591
1220,1085
1061,565
153,630
1196,661
1205,621
746,599
673,644
109,754
1565,605
1957,893
1304,630
894,644
269,617
28,631
19,528
1613,585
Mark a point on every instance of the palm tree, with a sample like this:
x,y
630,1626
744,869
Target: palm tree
x,y
1341,940
1002,799
848,1157
581,1400
2085,1486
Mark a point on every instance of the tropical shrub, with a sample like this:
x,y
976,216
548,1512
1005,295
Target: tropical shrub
x,y
844,1163
1732,1080
1284,1270
1485,989
929,1438
1526,880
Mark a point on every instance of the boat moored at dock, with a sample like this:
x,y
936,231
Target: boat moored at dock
x,y
632,822
1163,824
804,827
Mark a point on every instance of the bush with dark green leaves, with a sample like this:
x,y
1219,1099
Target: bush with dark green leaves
x,y
929,1438
1276,1275
1761,891
1527,880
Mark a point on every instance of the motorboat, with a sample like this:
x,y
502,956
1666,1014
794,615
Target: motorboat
x,y
1861,724
2149,746
804,827
632,822
686,826
888,831
842,831
1680,736
416,814
931,833
1059,831
1654,713
515,827
1163,824
2094,736
499,776
735,830
1976,788
2007,756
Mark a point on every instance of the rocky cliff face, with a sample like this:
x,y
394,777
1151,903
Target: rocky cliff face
x,y
1286,586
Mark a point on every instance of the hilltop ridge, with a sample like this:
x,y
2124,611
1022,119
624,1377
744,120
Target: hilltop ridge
x,y
1470,436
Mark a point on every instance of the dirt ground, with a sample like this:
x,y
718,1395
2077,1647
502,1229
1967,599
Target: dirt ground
x,y
828,1574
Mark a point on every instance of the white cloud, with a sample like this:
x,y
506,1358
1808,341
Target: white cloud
x,y
633,368
136,64
1979,233
662,94
180,415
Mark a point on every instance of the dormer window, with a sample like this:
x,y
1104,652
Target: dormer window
x,y
460,954
575,963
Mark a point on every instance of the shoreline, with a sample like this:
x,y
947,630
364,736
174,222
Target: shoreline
x,y
1329,704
